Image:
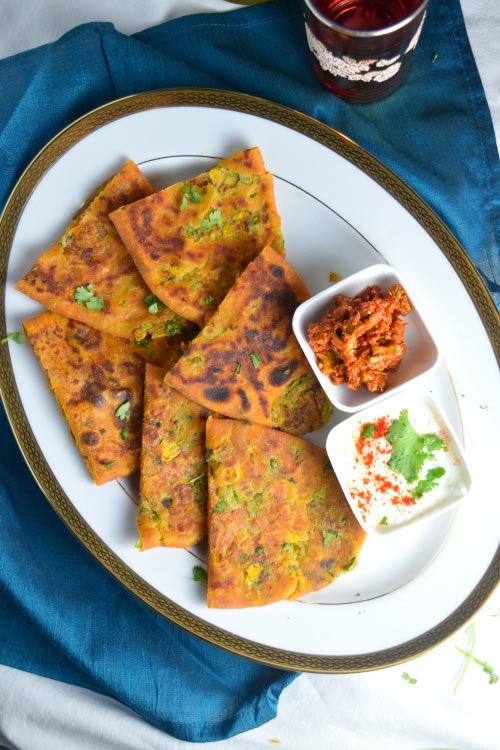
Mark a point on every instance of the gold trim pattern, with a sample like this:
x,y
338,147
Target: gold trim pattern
x,y
346,148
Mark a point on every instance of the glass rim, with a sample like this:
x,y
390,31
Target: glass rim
x,y
365,34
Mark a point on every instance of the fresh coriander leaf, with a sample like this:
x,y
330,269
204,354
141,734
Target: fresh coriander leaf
x,y
153,304
493,678
410,680
84,296
221,506
349,564
174,326
214,219
200,575
383,521
189,193
124,433
368,431
16,336
259,550
409,449
256,360
107,464
428,483
124,411
328,537
273,462
238,368
208,300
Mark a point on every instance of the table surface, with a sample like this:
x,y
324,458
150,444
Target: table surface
x,y
352,712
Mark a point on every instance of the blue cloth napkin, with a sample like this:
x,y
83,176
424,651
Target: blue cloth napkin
x,y
61,614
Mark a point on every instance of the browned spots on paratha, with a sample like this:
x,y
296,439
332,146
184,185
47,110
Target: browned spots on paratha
x,y
191,240
246,362
92,375
279,525
91,252
173,485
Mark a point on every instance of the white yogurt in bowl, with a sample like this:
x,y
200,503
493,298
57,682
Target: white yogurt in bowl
x,y
398,462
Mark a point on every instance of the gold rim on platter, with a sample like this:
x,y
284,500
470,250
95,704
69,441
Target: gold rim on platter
x,y
60,502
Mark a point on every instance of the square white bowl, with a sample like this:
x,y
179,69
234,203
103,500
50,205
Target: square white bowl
x,y
422,354
381,499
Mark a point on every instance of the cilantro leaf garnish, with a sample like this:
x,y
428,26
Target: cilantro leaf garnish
x,y
219,507
489,670
124,411
200,575
16,336
208,300
368,431
409,449
410,680
428,483
174,326
189,193
349,564
469,656
153,304
214,219
84,295
256,360
328,537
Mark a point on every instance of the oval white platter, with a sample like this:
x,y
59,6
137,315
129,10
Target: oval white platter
x,y
341,211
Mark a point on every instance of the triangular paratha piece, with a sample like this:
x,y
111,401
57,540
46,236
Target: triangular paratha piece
x,y
246,362
191,240
279,525
89,276
173,485
97,380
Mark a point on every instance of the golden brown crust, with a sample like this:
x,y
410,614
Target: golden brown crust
x,y
191,240
246,362
90,252
92,375
173,487
278,523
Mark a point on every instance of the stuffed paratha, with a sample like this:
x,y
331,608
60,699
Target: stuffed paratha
x,y
88,275
246,362
97,380
279,525
191,240
173,484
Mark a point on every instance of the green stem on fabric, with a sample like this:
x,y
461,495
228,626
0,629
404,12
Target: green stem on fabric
x,y
470,630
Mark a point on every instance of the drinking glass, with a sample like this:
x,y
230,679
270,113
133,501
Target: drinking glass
x,y
362,49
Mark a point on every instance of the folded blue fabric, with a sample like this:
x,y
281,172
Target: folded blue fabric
x,y
61,614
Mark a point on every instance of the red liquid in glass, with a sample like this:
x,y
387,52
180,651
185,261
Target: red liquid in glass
x,y
362,67
366,15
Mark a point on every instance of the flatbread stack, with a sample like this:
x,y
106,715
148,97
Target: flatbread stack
x,y
169,348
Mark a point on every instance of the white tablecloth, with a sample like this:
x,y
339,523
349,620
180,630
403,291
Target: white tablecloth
x,y
373,711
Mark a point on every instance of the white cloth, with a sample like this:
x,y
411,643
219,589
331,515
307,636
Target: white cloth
x,y
373,711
